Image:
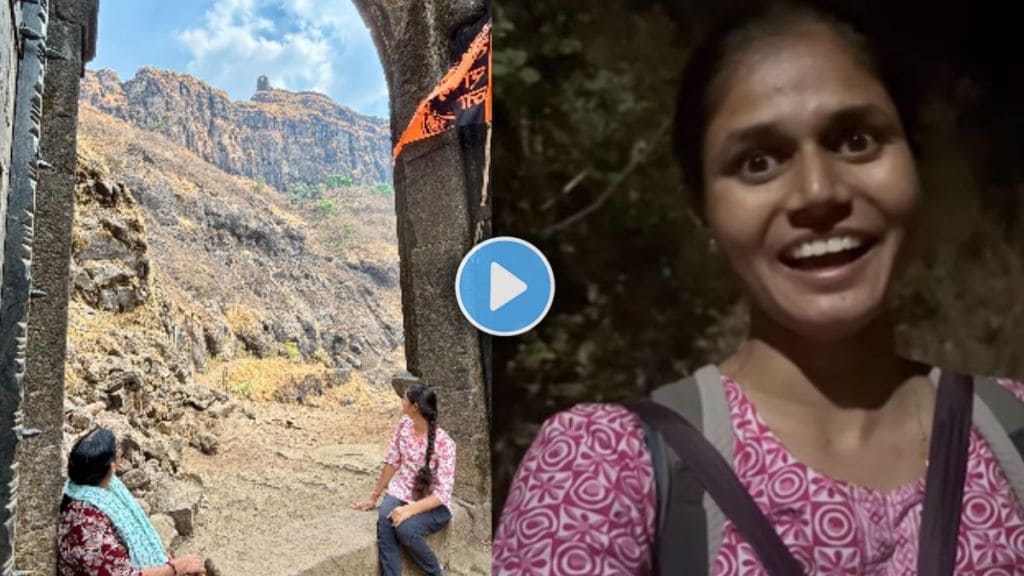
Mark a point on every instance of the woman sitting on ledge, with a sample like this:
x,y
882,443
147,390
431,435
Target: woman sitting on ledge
x,y
103,531
418,495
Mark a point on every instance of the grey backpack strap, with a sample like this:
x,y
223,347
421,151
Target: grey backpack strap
x,y
690,524
999,417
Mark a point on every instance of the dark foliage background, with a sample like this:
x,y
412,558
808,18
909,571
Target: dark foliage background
x,y
581,168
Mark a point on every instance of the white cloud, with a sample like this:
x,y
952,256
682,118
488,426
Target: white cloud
x,y
299,44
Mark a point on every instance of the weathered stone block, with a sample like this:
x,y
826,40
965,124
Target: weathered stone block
x,y
165,528
179,500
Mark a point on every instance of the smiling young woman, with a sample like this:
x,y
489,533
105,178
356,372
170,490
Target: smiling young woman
x,y
795,133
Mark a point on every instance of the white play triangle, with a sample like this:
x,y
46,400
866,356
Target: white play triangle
x,y
505,286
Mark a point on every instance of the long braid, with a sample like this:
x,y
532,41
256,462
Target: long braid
x,y
425,477
426,401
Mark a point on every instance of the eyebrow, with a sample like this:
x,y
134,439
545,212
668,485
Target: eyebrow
x,y
739,139
864,113
743,137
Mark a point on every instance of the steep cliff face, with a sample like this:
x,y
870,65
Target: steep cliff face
x,y
132,350
259,274
281,137
197,295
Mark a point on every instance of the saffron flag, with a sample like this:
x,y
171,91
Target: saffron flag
x,y
462,97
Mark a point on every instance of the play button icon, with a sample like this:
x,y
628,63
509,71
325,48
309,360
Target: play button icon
x,y
504,286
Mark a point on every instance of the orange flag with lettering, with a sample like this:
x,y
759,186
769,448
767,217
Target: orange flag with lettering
x,y
462,97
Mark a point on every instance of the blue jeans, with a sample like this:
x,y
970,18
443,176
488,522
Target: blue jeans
x,y
411,534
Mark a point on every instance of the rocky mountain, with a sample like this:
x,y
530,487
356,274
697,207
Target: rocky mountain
x,y
281,137
194,289
259,273
198,294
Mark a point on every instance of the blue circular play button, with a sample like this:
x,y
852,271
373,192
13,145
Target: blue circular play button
x,y
504,286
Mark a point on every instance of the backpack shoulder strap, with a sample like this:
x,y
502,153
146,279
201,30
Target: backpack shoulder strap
x,y
944,481
690,524
718,478
999,417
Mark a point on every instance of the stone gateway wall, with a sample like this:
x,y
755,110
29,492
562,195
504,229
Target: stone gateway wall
x,y
9,21
436,220
71,34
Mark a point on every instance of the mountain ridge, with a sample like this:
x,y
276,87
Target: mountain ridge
x,y
283,138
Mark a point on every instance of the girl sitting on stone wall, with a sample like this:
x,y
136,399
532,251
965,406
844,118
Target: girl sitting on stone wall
x,y
418,498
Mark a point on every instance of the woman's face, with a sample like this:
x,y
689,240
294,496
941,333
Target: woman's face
x,y
811,185
407,406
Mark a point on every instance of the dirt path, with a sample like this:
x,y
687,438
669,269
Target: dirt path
x,y
278,489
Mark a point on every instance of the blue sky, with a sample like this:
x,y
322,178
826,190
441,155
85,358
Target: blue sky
x,y
319,45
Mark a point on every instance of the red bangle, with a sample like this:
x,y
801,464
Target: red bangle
x,y
173,569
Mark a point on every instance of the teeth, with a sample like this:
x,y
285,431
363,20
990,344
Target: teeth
x,y
822,247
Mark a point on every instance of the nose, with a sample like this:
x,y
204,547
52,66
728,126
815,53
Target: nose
x,y
819,199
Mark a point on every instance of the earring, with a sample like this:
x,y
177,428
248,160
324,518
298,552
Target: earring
x,y
712,245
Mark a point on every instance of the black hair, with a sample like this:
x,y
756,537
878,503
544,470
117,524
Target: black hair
x,y
426,401
869,40
90,459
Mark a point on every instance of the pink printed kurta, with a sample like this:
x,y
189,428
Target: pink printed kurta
x,y
583,502
407,452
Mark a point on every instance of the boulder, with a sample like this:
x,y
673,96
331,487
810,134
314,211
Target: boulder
x,y
81,419
136,479
180,501
207,443
165,527
221,410
199,398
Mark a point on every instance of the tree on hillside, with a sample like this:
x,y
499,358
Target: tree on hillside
x,y
339,181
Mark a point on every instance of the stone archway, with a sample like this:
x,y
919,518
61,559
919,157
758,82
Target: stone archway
x,y
438,203
439,206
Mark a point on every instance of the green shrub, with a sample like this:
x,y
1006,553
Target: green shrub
x,y
339,181
300,192
325,209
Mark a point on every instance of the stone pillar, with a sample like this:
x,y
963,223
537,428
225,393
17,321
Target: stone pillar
x,y
71,33
8,73
9,22
434,200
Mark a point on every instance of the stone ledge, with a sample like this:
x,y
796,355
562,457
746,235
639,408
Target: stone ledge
x,y
364,560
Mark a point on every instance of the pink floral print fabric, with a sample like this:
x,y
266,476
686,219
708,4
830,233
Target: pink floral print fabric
x,y
583,502
407,452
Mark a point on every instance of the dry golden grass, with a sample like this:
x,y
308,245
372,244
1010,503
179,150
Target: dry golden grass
x,y
93,331
362,228
260,378
241,318
357,391
73,381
